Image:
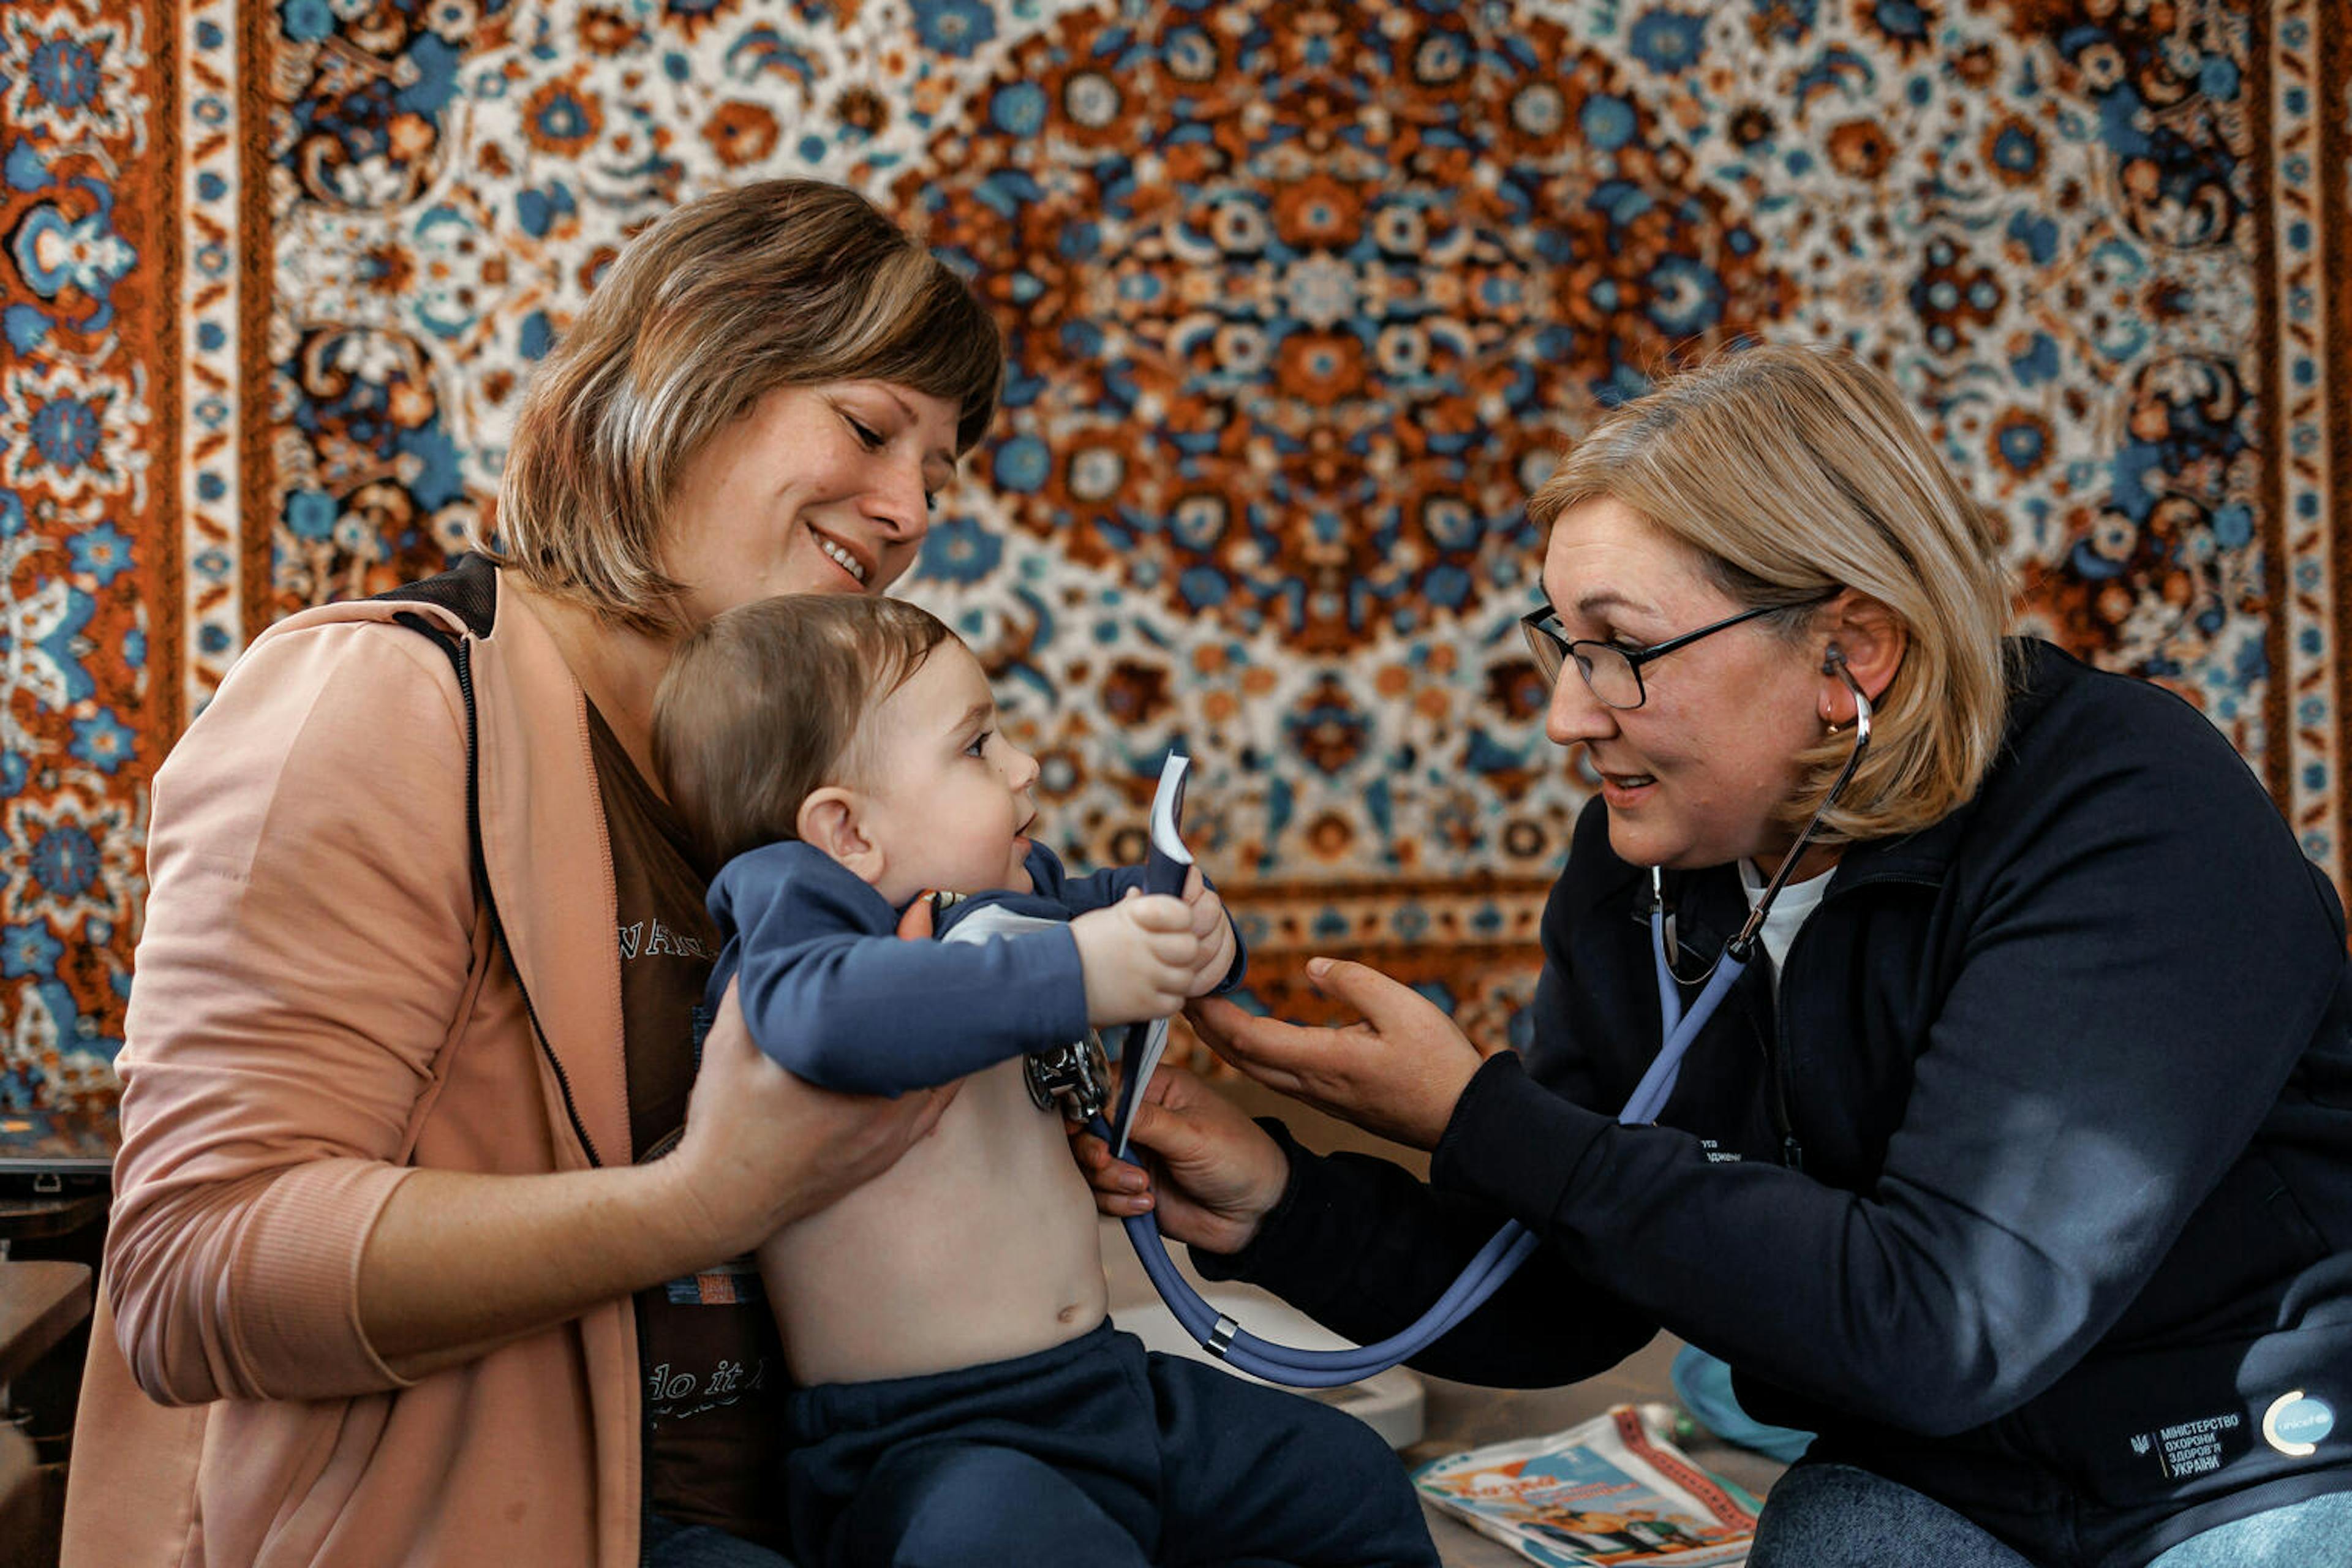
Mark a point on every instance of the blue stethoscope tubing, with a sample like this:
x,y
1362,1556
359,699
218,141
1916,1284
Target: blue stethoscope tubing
x,y
1487,1272
1511,1245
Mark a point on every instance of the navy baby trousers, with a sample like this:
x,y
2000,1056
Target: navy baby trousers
x,y
1095,1453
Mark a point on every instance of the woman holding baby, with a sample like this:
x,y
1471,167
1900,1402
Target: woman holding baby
x,y
462,1214
453,1180
394,1275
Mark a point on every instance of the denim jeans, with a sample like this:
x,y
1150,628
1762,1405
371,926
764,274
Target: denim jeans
x,y
669,1545
1834,1516
2297,1536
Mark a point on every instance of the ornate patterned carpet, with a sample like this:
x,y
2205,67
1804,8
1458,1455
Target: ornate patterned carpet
x,y
1302,301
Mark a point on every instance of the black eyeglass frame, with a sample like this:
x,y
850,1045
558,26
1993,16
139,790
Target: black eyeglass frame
x,y
1553,652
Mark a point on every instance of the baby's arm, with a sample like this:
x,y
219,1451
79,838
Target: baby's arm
x,y
1222,961
832,994
1138,956
1223,958
1080,895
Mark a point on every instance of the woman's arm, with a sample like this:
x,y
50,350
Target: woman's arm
x,y
459,1263
1225,957
2141,963
1355,1242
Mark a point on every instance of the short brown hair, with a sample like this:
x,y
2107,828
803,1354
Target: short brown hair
x,y
766,703
727,298
1792,472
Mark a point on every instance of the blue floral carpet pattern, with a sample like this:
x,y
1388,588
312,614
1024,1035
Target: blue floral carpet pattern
x,y
1303,300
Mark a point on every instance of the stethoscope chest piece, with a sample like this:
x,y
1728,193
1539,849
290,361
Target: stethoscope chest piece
x,y
1078,1074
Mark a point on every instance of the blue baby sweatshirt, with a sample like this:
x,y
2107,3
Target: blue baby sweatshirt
x,y
832,991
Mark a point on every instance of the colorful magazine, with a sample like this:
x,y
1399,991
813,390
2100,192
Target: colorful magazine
x,y
1611,1490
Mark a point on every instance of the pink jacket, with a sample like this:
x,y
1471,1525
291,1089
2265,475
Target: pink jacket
x,y
319,1009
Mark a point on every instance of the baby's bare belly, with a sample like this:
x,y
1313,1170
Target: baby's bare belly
x,y
977,1246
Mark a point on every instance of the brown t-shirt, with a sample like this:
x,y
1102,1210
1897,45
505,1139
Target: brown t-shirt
x,y
713,1368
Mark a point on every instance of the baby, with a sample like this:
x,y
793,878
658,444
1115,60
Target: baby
x,y
962,1397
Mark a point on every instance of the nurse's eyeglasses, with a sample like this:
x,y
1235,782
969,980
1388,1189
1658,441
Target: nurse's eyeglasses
x,y
1615,673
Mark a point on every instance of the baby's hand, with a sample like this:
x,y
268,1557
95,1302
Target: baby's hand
x,y
1138,956
1215,931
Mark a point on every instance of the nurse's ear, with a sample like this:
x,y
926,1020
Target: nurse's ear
x,y
1873,638
833,819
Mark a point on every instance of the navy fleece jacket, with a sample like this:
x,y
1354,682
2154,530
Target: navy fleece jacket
x,y
2043,1150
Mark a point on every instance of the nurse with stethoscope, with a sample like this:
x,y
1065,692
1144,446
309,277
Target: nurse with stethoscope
x,y
2016,1163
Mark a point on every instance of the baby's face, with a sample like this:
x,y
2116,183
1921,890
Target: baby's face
x,y
949,803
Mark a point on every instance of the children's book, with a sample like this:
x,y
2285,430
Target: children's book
x,y
1613,1489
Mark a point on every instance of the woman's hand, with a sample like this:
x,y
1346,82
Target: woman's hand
x,y
1398,1072
762,1148
460,1262
1215,1174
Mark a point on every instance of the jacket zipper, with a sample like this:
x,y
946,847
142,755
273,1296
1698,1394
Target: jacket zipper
x,y
1792,1151
1776,1059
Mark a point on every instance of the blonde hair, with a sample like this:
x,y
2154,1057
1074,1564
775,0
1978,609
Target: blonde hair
x,y
1793,472
764,704
727,298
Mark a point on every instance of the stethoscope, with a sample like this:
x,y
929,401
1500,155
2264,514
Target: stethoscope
x,y
1509,1247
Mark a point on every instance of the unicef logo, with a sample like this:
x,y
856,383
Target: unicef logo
x,y
2295,1424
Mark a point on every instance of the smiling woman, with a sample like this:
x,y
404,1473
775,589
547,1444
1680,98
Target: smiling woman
x,y
2022,1149
814,490
389,1210
701,322
1848,495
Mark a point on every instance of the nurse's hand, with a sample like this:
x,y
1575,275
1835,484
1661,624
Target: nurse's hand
x,y
1398,1072
1213,1173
